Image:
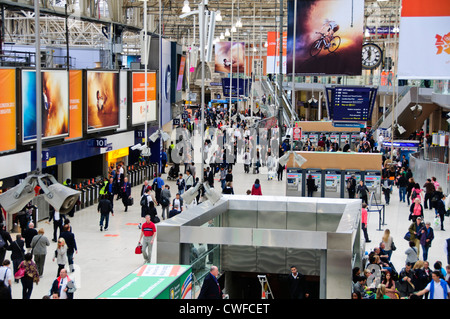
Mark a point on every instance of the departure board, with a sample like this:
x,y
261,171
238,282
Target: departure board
x,y
350,104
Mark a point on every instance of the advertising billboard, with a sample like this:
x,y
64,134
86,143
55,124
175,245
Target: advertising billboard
x,y
102,92
329,37
76,104
8,109
273,52
138,97
55,104
424,40
230,57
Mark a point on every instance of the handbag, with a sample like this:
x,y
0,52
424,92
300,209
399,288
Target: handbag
x,y
20,273
407,236
393,247
138,249
130,201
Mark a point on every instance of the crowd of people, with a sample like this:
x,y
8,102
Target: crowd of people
x,y
415,278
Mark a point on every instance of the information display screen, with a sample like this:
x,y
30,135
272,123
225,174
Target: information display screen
x,y
353,104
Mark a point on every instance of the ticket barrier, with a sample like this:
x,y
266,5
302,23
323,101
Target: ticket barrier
x,y
316,175
332,183
131,175
346,175
90,192
83,197
294,178
372,179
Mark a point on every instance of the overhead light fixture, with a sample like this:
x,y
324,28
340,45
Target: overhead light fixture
x,y
221,36
186,7
367,33
227,32
239,23
266,44
396,29
218,16
233,29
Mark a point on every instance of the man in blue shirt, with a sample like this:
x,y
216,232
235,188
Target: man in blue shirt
x,y
158,184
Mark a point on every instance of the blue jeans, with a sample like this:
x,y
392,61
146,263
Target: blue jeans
x,y
402,192
425,252
105,218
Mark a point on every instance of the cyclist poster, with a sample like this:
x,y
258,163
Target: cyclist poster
x,y
329,37
230,57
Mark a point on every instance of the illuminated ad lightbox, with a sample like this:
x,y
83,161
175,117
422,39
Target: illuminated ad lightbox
x,y
8,110
328,39
55,104
138,98
102,90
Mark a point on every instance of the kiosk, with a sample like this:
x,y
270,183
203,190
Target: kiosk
x,y
316,175
372,179
347,174
332,187
294,182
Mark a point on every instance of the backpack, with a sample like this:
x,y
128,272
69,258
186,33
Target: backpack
x,y
414,194
144,200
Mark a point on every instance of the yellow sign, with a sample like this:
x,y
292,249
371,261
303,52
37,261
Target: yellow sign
x,y
51,161
117,153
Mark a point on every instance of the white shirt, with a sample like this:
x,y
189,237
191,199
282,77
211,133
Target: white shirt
x,y
438,290
5,274
63,285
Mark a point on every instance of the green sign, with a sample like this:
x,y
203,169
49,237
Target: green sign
x,y
153,281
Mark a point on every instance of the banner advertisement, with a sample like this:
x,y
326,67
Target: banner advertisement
x,y
138,98
329,37
181,73
230,58
273,52
102,91
424,52
55,104
8,109
76,110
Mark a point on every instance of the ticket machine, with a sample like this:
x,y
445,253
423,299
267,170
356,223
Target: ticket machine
x,y
347,174
332,181
314,137
294,178
316,175
372,179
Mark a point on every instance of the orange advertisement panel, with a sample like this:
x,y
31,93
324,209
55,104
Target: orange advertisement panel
x,y
8,110
138,115
273,52
76,110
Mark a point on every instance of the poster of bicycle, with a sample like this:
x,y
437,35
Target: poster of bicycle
x,y
329,37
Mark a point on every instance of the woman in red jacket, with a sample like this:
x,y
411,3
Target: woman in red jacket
x,y
256,188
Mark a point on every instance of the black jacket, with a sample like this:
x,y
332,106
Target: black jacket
x,y
17,251
105,206
297,286
210,288
70,241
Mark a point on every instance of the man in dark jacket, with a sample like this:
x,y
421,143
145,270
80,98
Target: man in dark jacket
x,y
429,192
125,192
17,253
296,282
28,236
211,288
69,237
104,208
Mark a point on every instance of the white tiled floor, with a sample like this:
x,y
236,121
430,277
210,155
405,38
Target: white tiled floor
x,y
104,258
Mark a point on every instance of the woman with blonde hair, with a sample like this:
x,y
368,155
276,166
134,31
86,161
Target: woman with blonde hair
x,y
381,292
388,243
61,254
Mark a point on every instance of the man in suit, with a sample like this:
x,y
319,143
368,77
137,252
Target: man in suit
x,y
126,193
211,288
60,286
296,283
71,243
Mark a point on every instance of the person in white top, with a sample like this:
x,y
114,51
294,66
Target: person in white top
x,y
6,274
438,288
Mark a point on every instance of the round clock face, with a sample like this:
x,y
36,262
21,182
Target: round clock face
x,y
371,56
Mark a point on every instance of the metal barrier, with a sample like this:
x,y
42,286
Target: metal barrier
x,y
423,169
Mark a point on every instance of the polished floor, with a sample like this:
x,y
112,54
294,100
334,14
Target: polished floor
x,y
104,258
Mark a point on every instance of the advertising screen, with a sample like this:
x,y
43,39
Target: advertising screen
x,y
102,92
230,57
8,109
55,104
76,98
328,37
138,95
